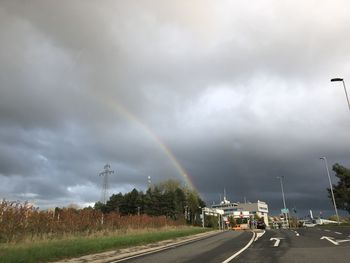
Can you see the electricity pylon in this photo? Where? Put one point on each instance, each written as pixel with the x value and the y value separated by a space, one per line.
pixel 107 171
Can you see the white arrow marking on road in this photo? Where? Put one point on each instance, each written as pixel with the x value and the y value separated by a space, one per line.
pixel 345 240
pixel 258 235
pixel 277 241
pixel 330 239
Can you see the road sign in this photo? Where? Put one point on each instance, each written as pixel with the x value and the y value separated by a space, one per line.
pixel 285 211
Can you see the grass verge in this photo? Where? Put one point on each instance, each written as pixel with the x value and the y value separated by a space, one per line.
pixel 60 249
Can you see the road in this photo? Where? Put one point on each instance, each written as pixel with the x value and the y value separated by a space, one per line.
pixel 318 244
pixel 215 248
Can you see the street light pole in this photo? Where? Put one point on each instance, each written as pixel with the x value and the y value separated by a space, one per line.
pixel 346 93
pixel 203 216
pixel 284 200
pixel 330 183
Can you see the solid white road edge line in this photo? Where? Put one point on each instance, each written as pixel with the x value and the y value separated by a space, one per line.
pixel 240 251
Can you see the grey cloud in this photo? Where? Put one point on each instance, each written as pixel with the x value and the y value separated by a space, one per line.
pixel 240 93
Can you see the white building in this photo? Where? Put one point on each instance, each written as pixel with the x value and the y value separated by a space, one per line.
pixel 244 210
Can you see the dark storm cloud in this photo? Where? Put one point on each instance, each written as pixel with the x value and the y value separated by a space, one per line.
pixel 240 93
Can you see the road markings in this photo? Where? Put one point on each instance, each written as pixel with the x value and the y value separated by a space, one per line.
pixel 327 230
pixel 338 233
pixel 258 235
pixel 335 241
pixel 277 240
pixel 240 251
pixel 345 240
pixel 330 239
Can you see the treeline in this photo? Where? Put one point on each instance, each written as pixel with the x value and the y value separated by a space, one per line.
pixel 169 199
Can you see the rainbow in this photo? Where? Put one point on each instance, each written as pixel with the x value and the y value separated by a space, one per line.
pixel 117 106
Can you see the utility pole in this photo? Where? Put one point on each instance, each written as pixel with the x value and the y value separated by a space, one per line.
pixel 105 173
pixel 331 187
pixel 284 201
pixel 203 217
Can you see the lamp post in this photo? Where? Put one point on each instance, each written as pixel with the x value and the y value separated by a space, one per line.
pixel 203 217
pixel 284 200
pixel 330 183
pixel 346 93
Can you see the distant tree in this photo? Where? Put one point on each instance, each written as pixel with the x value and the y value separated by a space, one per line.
pixel 101 207
pixel 211 221
pixel 180 202
pixel 114 203
pixel 194 205
pixel 167 198
pixel 342 189
pixel 232 221
pixel 131 203
pixel 169 186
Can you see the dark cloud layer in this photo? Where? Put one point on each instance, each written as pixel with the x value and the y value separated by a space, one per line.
pixel 239 93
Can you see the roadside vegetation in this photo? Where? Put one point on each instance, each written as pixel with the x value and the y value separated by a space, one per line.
pixel 342 188
pixel 45 251
pixel 166 210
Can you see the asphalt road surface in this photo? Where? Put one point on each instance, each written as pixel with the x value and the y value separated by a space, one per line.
pixel 215 248
pixel 317 244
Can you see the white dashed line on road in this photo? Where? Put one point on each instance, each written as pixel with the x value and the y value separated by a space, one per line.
pixel 327 230
pixel 338 233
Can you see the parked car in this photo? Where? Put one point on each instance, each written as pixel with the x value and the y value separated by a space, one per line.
pixel 260 225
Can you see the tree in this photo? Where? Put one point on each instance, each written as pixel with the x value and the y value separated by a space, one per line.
pixel 131 202
pixel 100 206
pixel 168 198
pixel 342 189
pixel 114 203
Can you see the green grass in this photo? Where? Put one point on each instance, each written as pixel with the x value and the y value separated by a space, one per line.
pixel 60 249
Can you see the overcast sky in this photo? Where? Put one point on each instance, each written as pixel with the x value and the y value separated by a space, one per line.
pixel 238 92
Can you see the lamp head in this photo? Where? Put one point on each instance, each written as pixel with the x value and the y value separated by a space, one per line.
pixel 336 79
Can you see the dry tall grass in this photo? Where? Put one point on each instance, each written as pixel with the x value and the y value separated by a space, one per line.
pixel 21 221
